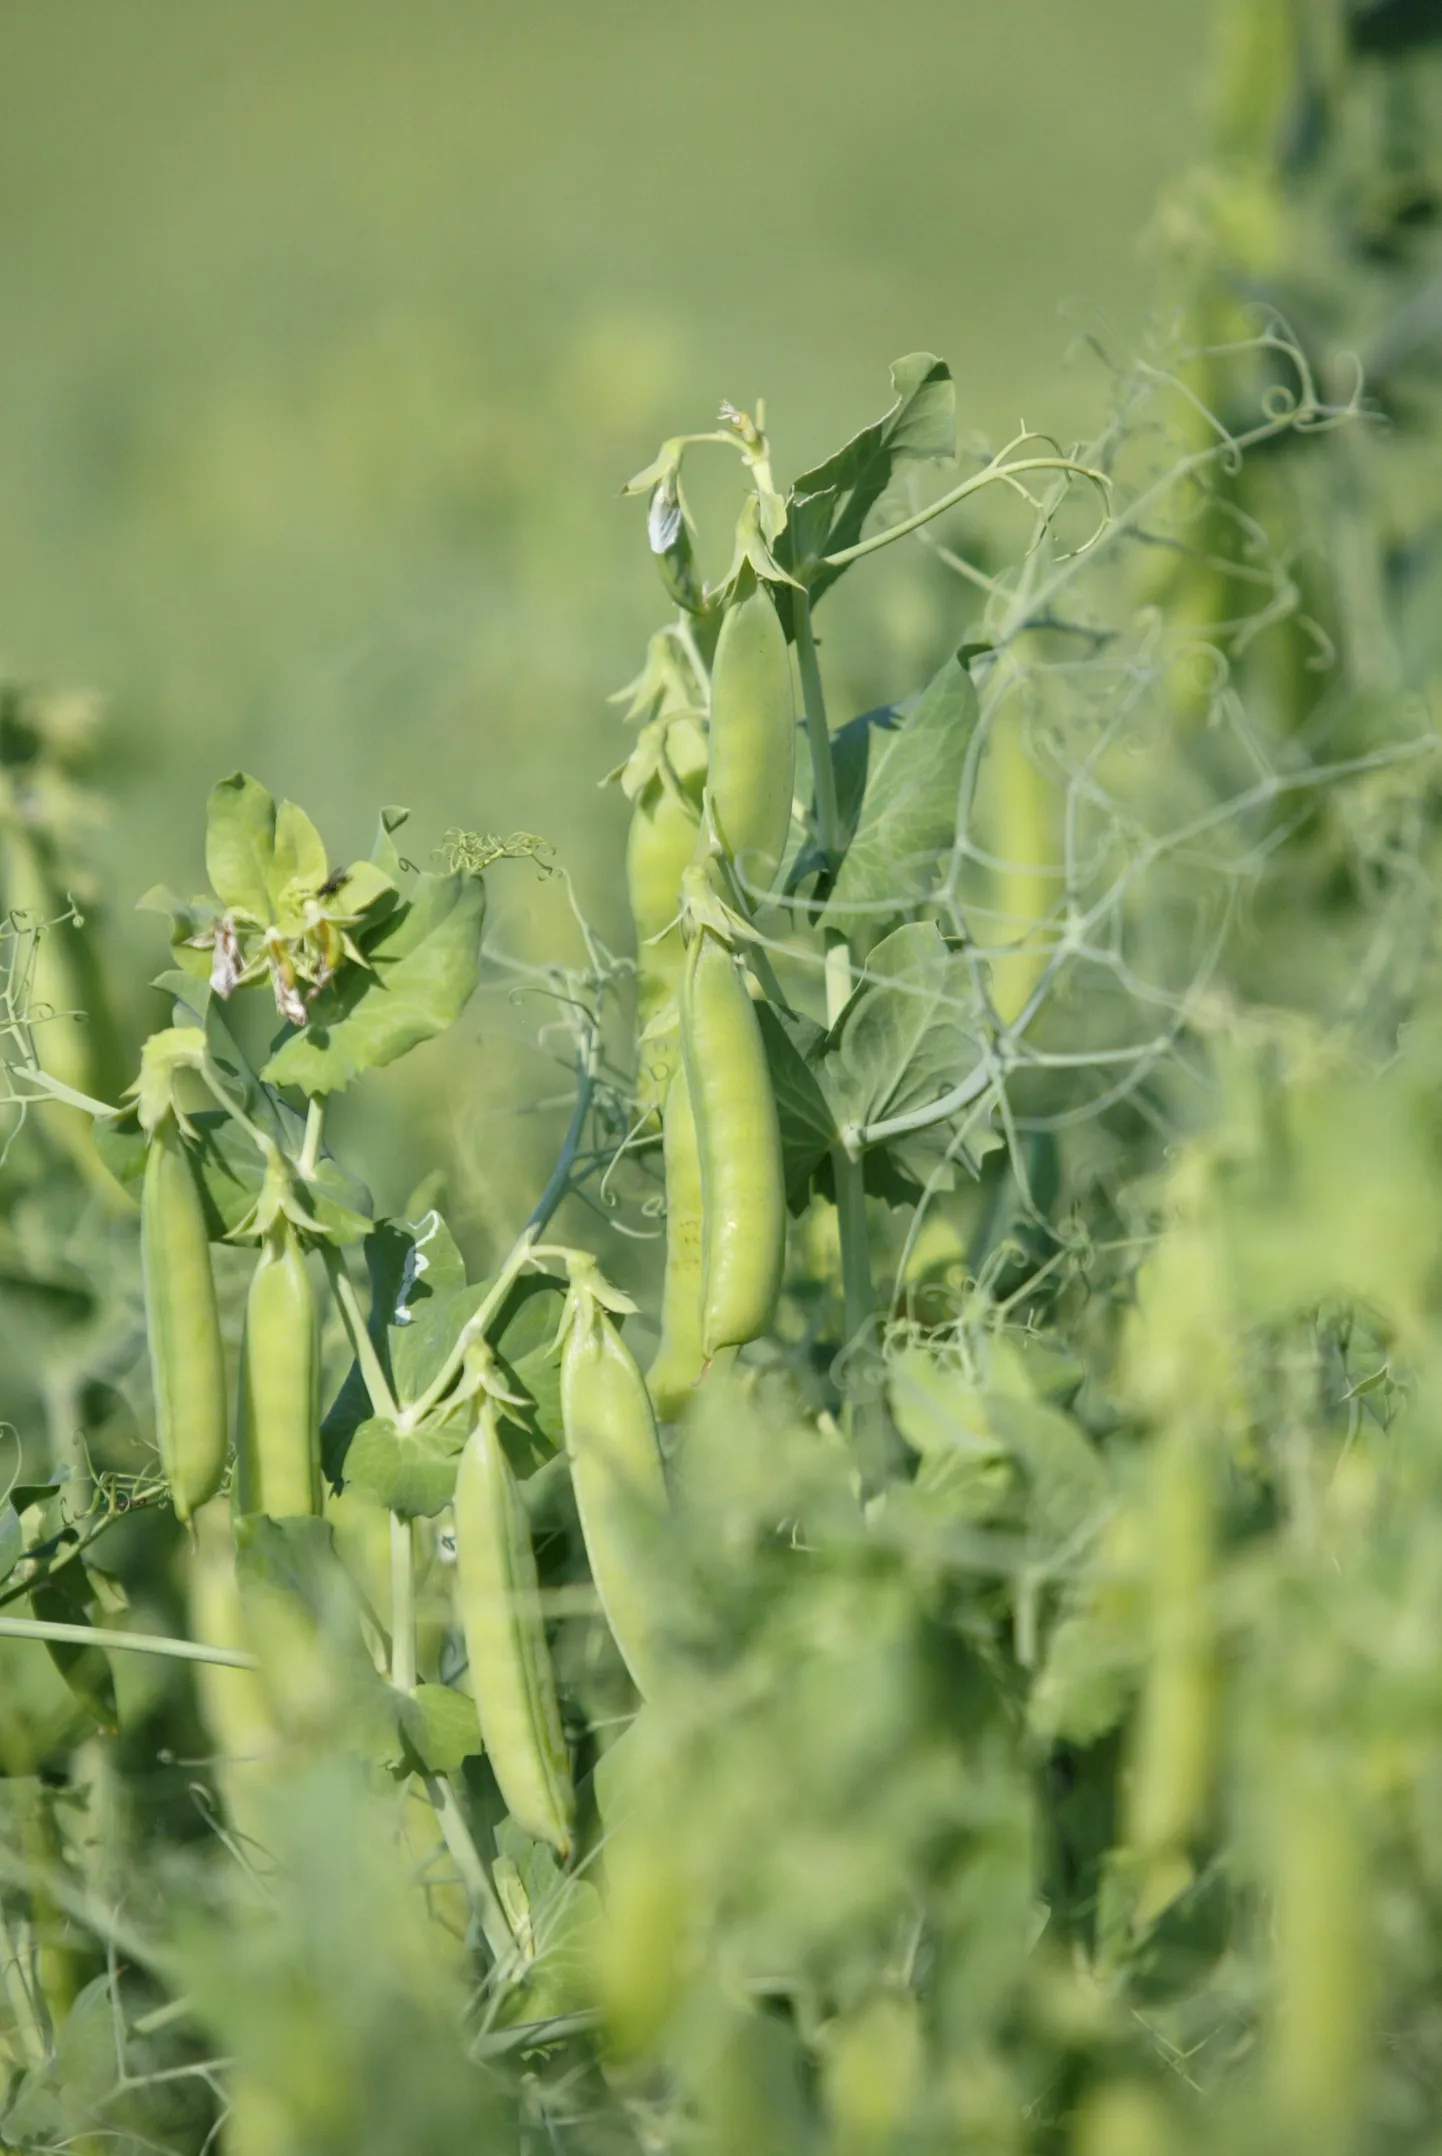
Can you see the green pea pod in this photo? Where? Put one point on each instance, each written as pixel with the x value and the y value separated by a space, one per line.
pixel 738 1140
pixel 680 1357
pixel 187 1360
pixel 1320 1927
pixel 753 739
pixel 511 1674
pixel 665 824
pixel 277 1447
pixel 1172 1758
pixel 616 1473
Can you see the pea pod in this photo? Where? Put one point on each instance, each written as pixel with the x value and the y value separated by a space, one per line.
pixel 753 739
pixel 1320 1926
pixel 510 1664
pixel 277 1449
pixel 738 1142
pixel 665 824
pixel 616 1471
pixel 1172 1758
pixel 680 1357
pixel 187 1360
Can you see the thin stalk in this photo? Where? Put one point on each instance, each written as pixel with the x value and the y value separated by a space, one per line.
pixel 377 1385
pixel 314 1129
pixel 471 1865
pixel 1007 474
pixel 857 1290
pixel 818 732
pixel 24 2006
pixel 84 1635
pixel 516 1261
pixel 403 1604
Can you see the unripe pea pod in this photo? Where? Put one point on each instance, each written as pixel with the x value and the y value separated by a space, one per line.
pixel 738 1141
pixel 187 1359
pixel 1172 1759
pixel 665 825
pixel 1319 2041
pixel 753 739
pixel 510 1664
pixel 277 1449
pixel 680 1358
pixel 616 1472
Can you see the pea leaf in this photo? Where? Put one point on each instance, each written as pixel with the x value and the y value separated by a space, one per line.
pixel 411 1471
pixel 881 1030
pixel 425 957
pixel 240 844
pixel 441 1726
pixel 86 1670
pixel 828 506
pixel 298 854
pixel 11 1539
pixel 907 817
pixel 808 1126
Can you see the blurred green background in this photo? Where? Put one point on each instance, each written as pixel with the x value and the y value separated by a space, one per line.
pixel 331 330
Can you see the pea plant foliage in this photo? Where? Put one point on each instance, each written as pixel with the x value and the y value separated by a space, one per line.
pixel 899 1614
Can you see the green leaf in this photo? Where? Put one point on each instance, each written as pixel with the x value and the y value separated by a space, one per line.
pixel 296 1557
pixel 240 844
pixel 441 1726
pixel 65 1599
pixel 878 1035
pixel 808 1127
pixel 121 1144
pixel 426 960
pixel 299 859
pixel 12 1541
pixel 907 818
pixel 429 1329
pixel 828 506
pixel 413 1472
pixel 385 852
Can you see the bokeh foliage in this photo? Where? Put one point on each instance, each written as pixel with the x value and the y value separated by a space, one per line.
pixel 1049 1755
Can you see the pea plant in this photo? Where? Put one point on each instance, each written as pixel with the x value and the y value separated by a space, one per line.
pixel 942 1657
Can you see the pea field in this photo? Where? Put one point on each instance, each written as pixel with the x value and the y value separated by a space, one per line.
pixel 743 1455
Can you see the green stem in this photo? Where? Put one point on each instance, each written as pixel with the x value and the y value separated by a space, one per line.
pixel 377 1385
pixel 403 1605
pixel 857 1290
pixel 818 732
pixel 1007 474
pixel 24 2007
pixel 84 1635
pixel 471 1865
pixel 516 1262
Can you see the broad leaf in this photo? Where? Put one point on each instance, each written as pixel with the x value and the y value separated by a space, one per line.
pixel 240 844
pixel 298 856
pixel 441 1727
pixel 907 817
pixel 828 506
pixel 425 961
pixel 11 1540
pixel 411 1471
pixel 808 1127
pixel 65 1599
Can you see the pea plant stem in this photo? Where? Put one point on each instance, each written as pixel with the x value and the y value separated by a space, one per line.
pixel 84 1635
pixel 818 732
pixel 403 1604
pixel 377 1384
pixel 1001 471
pixel 481 1894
